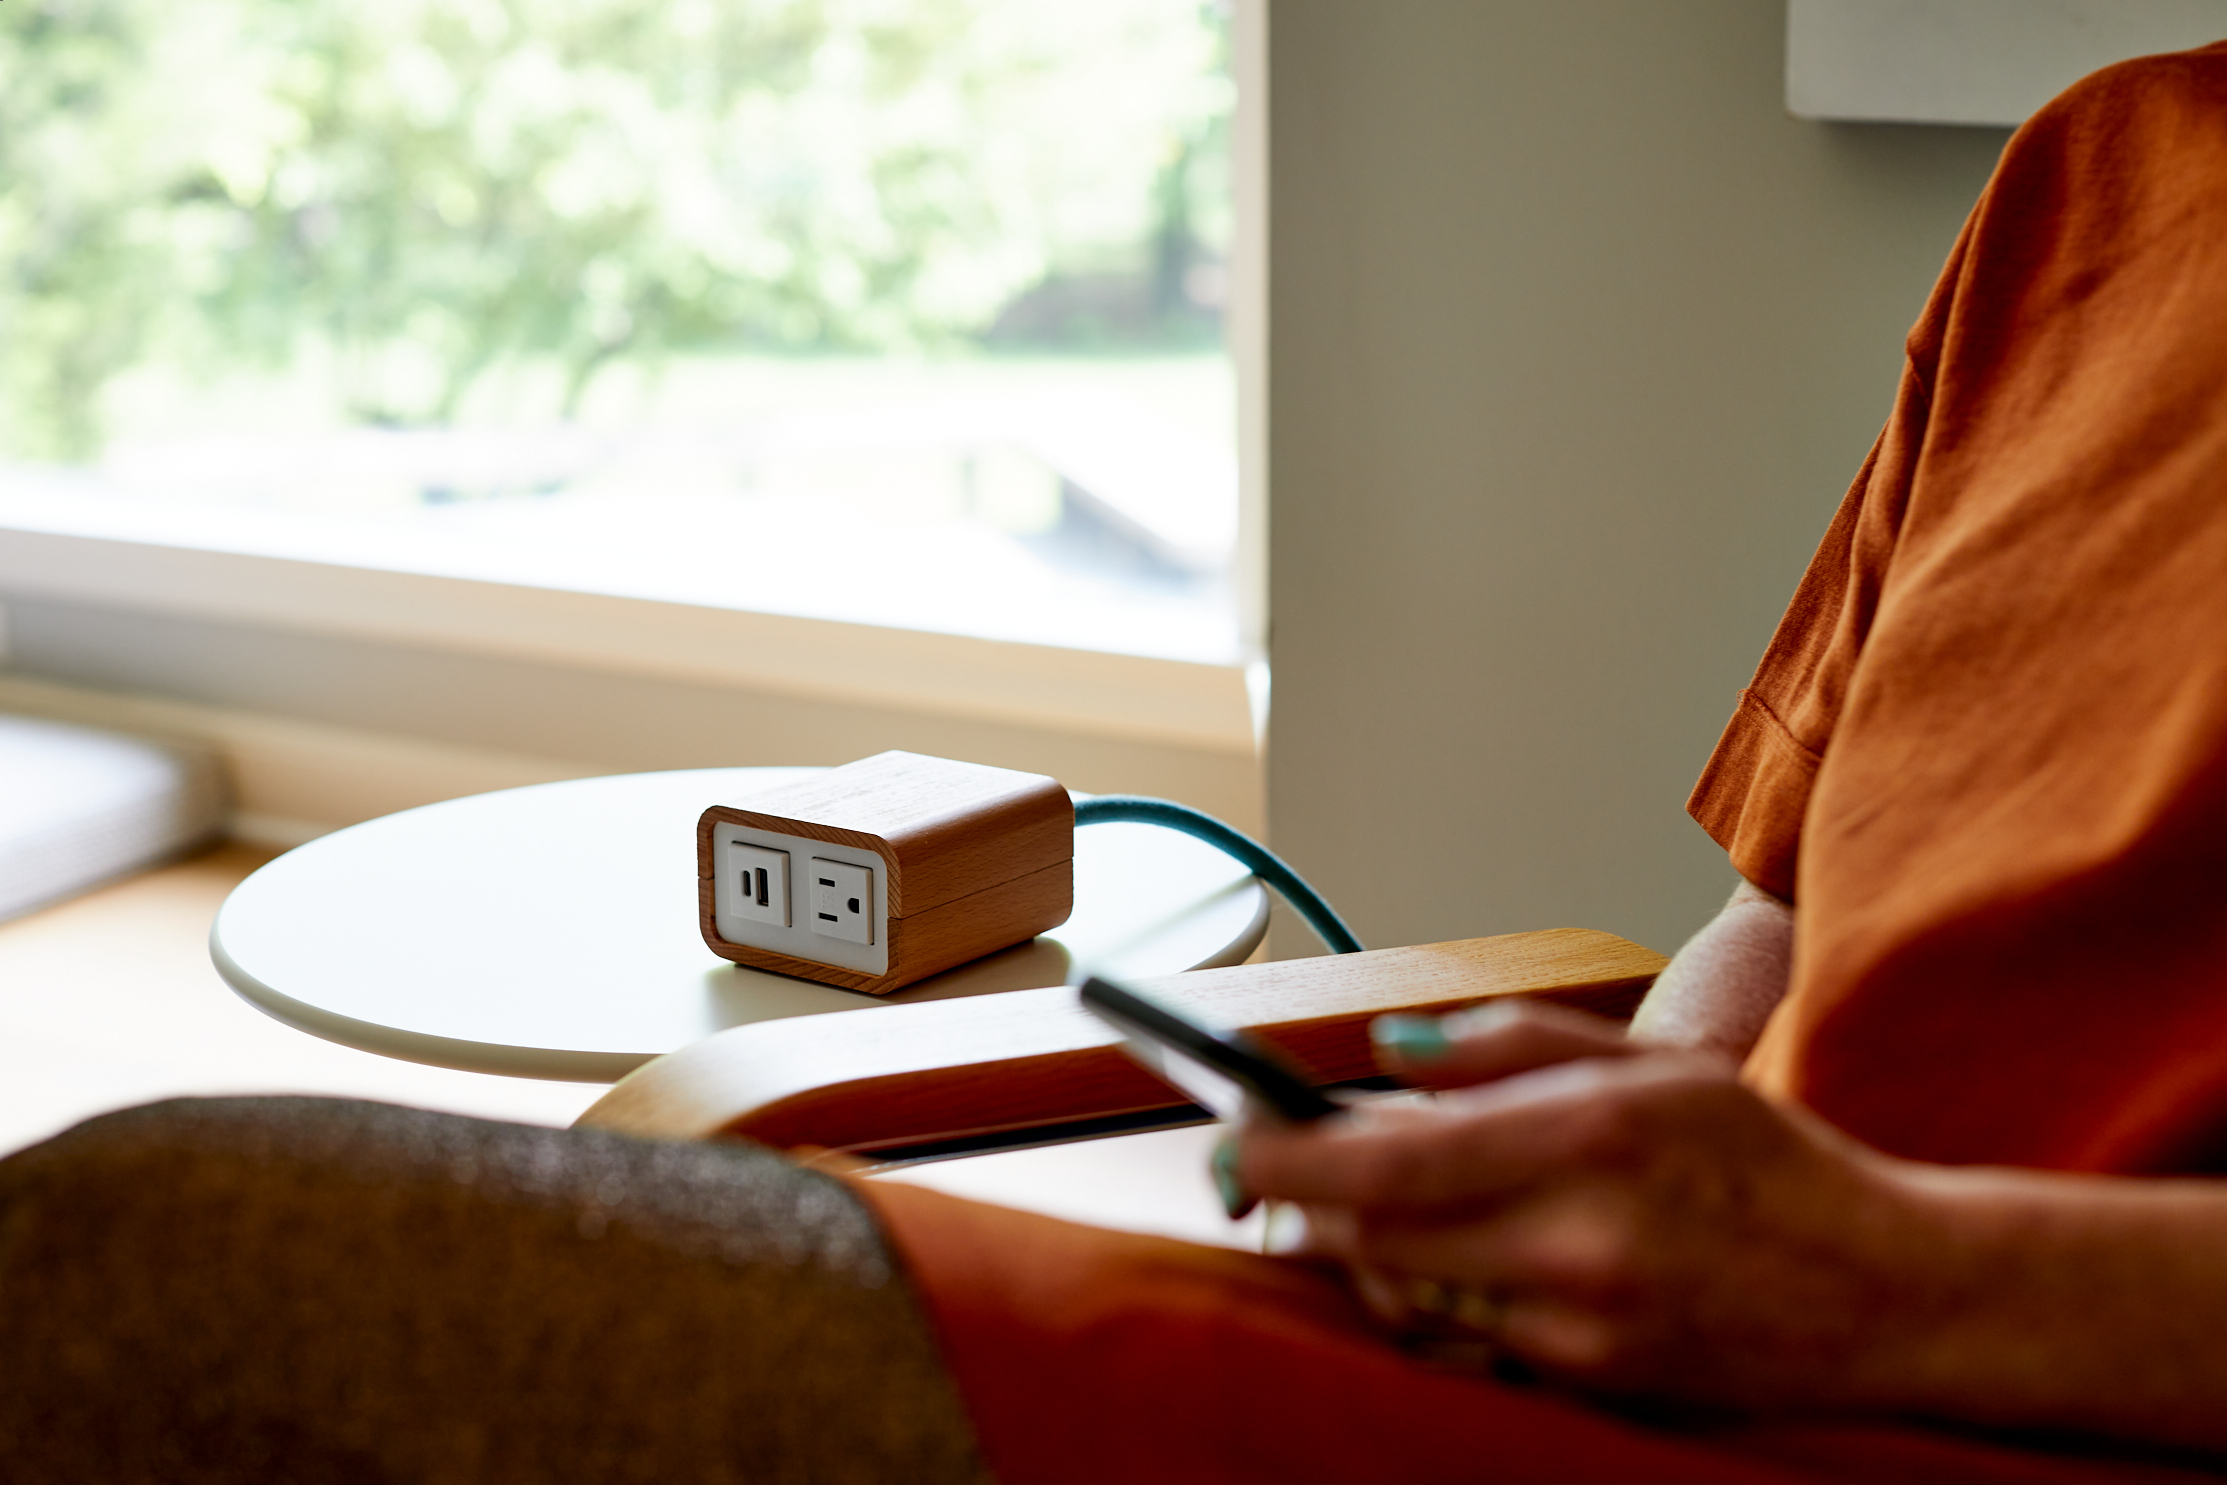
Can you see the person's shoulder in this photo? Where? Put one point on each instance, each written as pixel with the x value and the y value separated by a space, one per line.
pixel 2131 157
pixel 2141 139
pixel 2170 90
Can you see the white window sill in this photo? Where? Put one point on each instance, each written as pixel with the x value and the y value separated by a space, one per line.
pixel 685 615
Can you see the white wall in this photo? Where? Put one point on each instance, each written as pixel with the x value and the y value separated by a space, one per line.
pixel 1575 340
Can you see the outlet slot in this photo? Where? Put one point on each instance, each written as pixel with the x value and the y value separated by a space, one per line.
pixel 841 893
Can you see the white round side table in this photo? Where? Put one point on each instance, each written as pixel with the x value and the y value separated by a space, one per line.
pixel 551 931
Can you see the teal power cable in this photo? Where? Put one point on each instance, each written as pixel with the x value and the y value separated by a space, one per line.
pixel 1264 863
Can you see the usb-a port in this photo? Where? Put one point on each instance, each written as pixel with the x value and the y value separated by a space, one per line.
pixel 757 884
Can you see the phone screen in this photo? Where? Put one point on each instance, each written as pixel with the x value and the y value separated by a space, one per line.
pixel 1218 1069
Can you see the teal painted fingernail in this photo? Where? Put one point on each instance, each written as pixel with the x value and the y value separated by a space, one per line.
pixel 1412 1038
pixel 1236 1200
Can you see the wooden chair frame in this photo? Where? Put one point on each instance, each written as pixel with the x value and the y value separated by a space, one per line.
pixel 1031 1066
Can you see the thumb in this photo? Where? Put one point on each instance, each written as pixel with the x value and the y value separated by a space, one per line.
pixel 1491 1041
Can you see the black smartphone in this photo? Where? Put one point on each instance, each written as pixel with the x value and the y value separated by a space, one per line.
pixel 1217 1068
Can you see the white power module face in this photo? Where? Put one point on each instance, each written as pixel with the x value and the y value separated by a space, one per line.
pixel 804 898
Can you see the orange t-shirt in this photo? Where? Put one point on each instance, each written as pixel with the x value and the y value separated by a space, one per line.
pixel 1986 753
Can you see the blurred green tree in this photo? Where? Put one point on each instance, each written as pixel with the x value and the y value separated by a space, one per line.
pixel 421 191
pixel 84 178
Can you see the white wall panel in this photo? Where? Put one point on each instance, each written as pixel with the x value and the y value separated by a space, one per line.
pixel 1970 61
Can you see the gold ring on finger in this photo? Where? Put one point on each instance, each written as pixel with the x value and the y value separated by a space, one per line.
pixel 1470 1307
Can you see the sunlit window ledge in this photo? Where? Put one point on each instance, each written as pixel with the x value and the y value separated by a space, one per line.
pixel 253 568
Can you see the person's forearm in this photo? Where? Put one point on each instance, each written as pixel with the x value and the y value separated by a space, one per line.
pixel 1722 986
pixel 2085 1303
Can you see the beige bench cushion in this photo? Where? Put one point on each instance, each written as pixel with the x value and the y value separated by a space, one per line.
pixel 79 806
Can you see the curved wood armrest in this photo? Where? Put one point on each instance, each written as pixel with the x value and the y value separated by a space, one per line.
pixel 889 1077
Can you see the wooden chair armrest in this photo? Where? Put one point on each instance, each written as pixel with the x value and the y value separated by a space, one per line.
pixel 882 1079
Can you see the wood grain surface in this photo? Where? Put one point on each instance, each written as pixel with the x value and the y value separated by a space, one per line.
pixel 931 942
pixel 974 859
pixel 947 829
pixel 885 1077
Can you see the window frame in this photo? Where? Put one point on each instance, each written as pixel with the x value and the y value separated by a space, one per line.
pixel 103 556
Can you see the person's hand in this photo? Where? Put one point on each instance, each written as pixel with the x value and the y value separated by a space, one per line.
pixel 1627 1219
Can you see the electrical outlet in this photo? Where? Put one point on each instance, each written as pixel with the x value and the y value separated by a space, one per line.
pixel 902 866
pixel 842 900
pixel 760 883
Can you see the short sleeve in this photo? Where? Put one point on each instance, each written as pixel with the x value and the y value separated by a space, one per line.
pixel 1754 793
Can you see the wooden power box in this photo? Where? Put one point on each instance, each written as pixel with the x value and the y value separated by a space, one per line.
pixel 885 871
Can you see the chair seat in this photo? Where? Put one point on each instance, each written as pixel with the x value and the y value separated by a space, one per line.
pixel 80 806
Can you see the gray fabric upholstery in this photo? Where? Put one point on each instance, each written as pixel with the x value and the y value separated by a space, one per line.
pixel 307 1290
pixel 79 806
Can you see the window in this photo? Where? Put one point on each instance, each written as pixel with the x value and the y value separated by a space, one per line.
pixel 898 312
